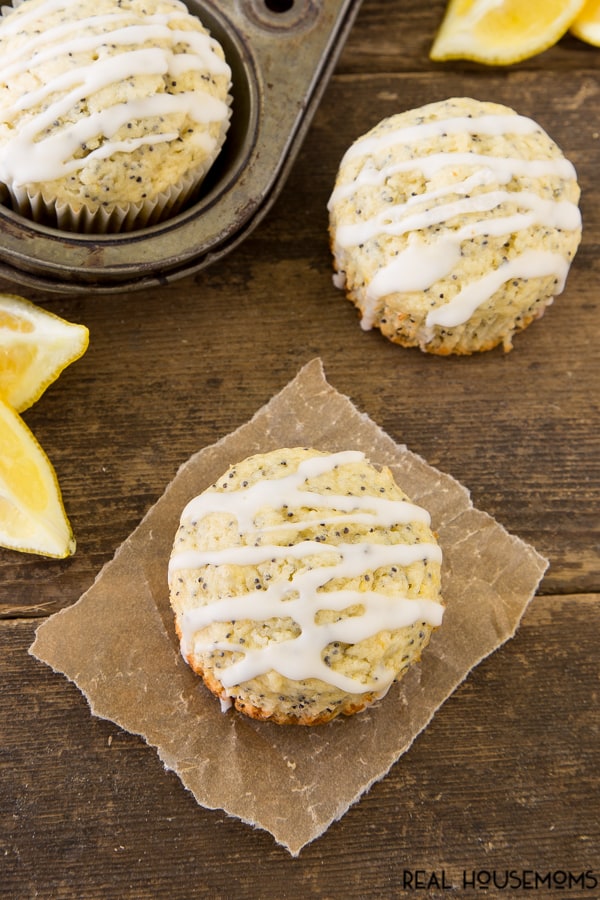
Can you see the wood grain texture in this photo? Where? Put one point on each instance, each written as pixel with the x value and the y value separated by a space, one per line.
pixel 396 36
pixel 479 789
pixel 506 775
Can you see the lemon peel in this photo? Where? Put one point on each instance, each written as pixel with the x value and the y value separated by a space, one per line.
pixel 32 515
pixel 586 26
pixel 35 347
pixel 502 32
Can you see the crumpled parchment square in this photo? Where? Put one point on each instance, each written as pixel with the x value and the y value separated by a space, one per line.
pixel 118 642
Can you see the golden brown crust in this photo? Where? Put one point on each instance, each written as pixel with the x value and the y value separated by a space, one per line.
pixel 278 717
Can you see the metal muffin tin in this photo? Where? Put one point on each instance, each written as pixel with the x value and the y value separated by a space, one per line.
pixel 281 53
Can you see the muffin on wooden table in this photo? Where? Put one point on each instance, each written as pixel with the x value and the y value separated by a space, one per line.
pixel 453 226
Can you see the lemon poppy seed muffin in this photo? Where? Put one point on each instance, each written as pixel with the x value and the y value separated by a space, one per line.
pixel 111 111
pixel 453 226
pixel 303 584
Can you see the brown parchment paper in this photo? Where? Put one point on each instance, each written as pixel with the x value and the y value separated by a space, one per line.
pixel 118 643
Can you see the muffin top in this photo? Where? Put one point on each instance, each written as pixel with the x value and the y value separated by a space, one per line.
pixel 108 101
pixel 435 209
pixel 304 578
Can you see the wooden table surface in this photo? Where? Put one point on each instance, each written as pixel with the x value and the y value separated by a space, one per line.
pixel 505 778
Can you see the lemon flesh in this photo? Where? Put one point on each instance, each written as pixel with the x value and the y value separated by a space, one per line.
pixel 501 32
pixel 586 26
pixel 32 515
pixel 35 347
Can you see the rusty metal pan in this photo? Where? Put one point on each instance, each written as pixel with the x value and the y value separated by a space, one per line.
pixel 281 53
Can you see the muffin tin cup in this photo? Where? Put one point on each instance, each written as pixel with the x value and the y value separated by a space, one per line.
pixel 273 104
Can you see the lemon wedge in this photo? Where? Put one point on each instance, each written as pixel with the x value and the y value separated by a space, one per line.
pixel 32 515
pixel 586 26
pixel 501 32
pixel 35 347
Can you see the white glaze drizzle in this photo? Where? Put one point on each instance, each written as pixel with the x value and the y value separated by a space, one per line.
pixel 492 168
pixel 529 264
pixel 28 157
pixel 422 263
pixel 302 597
pixel 487 124
pixel 398 219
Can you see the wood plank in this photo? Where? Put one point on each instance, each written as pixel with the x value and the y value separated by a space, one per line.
pixel 479 790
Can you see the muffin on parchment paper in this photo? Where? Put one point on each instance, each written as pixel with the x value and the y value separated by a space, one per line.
pixel 304 584
pixel 453 226
pixel 111 111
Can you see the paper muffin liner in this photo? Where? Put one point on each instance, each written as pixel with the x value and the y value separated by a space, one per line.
pixel 44 209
